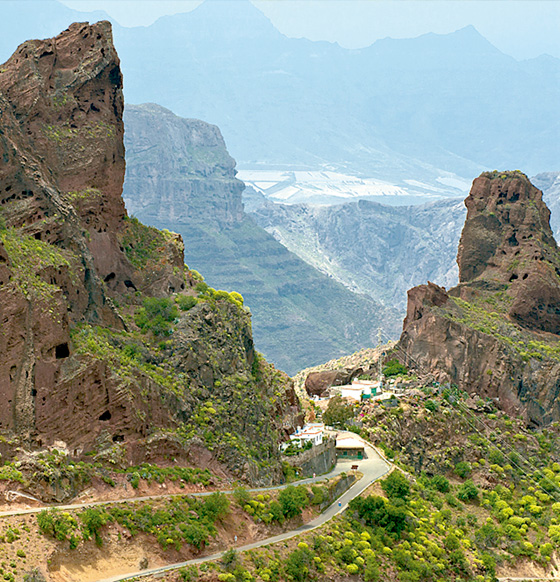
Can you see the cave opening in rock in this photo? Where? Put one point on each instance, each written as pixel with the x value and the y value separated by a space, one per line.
pixel 62 351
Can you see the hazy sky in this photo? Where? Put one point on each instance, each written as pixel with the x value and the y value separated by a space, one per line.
pixel 522 28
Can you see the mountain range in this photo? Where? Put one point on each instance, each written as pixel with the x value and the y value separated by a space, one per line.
pixel 416 113
pixel 380 250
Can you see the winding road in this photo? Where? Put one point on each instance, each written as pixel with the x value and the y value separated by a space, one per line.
pixel 373 467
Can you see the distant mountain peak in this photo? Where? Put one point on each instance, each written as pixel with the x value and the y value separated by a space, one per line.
pixel 231 19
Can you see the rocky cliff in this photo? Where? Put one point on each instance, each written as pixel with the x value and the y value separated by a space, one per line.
pixel 180 176
pixel 370 248
pixel 496 333
pixel 105 341
pixel 187 175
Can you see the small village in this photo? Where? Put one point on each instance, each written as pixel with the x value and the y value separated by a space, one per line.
pixel 314 438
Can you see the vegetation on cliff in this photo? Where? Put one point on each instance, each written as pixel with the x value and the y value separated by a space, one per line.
pixel 476 495
pixel 113 348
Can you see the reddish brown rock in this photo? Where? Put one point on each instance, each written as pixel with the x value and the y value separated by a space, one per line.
pixel 318 383
pixel 495 334
pixel 61 143
pixel 507 240
pixel 70 256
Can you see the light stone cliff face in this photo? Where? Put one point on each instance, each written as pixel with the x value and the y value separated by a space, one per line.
pixel 496 333
pixel 549 183
pixel 178 169
pixel 374 249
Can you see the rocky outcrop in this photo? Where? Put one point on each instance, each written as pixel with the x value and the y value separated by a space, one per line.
pixel 52 107
pixel 495 333
pixel 507 241
pixel 318 383
pixel 76 363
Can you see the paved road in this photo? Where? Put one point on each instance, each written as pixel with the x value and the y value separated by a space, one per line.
pixel 339 468
pixel 372 468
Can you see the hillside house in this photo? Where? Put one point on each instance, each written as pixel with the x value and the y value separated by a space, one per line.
pixel 357 391
pixel 349 448
pixel 312 432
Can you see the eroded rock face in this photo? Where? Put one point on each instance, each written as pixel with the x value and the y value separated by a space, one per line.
pixel 495 334
pixel 74 267
pixel 507 240
pixel 193 180
pixel 60 112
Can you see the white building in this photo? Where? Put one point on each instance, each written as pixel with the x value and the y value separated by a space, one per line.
pixel 310 432
pixel 355 390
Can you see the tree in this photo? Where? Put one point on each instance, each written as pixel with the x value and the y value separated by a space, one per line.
pixel 394 368
pixel 297 565
pixel 396 485
pixel 216 506
pixel 376 511
pixel 241 496
pixel 229 559
pixel 338 412
pixel 292 500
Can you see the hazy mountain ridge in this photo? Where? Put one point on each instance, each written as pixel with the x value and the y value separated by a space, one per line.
pixel 398 110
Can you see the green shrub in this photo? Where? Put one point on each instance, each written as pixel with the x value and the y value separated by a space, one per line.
pixel 134 479
pixel 297 565
pixel 431 405
pixel 94 519
pixel 216 506
pixel 189 574
pixel 186 302
pixel 56 524
pixel 292 500
pixel 229 558
pixel 338 412
pixel 394 368
pixel 463 470
pixel 156 315
pixel 440 483
pixel 241 496
pixel 377 511
pixel 452 500
pixel 467 491
pixel 371 571
pixel 396 485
